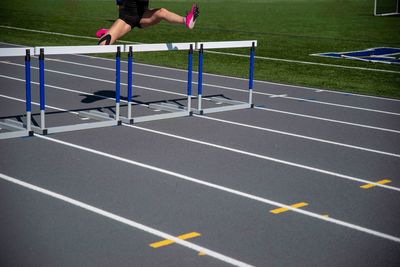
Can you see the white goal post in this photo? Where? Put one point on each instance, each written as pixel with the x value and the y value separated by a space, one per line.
pixel 386 7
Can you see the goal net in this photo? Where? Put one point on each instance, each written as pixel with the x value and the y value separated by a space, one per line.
pixel 386 7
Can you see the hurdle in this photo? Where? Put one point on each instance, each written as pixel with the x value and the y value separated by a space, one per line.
pixel 15 128
pixel 230 104
pixel 101 119
pixel 172 110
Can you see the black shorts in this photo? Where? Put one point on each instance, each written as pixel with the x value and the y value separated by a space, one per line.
pixel 132 11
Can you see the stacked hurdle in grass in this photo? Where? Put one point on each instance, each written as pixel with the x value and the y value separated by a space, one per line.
pixel 17 129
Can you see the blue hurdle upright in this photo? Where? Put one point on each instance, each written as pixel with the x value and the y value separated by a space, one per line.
pixel 11 128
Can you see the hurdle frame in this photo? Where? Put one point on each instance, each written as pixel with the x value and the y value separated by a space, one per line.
pixel 15 129
pixel 230 104
pixel 173 110
pixel 102 119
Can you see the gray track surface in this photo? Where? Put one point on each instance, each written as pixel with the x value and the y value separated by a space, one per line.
pixel 38 230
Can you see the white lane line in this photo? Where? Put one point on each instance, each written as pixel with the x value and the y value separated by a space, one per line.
pixel 255 155
pixel 285 96
pixel 222 188
pixel 275 96
pixel 342 106
pixel 124 220
pixel 303 137
pixel 231 122
pixel 330 173
pixel 303 62
pixel 169 92
pixel 242 79
pixel 225 189
pixel 256 81
pixel 329 120
pixel 96 79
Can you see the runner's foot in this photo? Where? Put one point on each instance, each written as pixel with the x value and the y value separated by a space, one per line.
pixel 101 32
pixel 192 16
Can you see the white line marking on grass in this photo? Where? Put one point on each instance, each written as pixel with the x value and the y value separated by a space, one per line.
pixel 231 122
pixel 124 220
pixel 56 33
pixel 225 189
pixel 208 51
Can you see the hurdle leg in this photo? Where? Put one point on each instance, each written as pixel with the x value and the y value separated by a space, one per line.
pixel 117 83
pixel 189 85
pixel 130 60
pixel 200 80
pixel 28 98
pixel 251 74
pixel 42 95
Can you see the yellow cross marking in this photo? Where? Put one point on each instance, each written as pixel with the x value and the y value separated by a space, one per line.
pixel 367 186
pixel 169 242
pixel 297 205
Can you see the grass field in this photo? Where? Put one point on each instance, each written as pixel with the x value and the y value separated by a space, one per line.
pixel 285 29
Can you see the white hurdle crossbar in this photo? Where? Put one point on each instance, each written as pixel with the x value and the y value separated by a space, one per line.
pixel 230 104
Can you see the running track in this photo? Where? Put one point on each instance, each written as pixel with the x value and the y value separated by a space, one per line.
pixel 101 197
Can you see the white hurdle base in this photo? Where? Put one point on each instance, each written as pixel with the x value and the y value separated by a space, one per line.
pixel 104 120
pixel 174 111
pixel 14 129
pixel 231 105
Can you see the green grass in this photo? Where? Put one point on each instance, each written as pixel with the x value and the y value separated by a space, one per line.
pixel 285 29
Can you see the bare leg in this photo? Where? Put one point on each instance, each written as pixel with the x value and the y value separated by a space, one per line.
pixel 155 16
pixel 117 30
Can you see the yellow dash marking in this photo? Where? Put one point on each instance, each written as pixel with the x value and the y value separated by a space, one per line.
pixel 297 205
pixel 202 253
pixel 367 186
pixel 167 242
pixel 326 215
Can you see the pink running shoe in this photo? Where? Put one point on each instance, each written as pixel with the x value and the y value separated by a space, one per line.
pixel 192 16
pixel 101 32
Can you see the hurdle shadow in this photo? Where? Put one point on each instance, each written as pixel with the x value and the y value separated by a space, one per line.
pixel 101 95
pixel 22 117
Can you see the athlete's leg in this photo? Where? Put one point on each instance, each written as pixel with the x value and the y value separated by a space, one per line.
pixel 117 30
pixel 154 16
